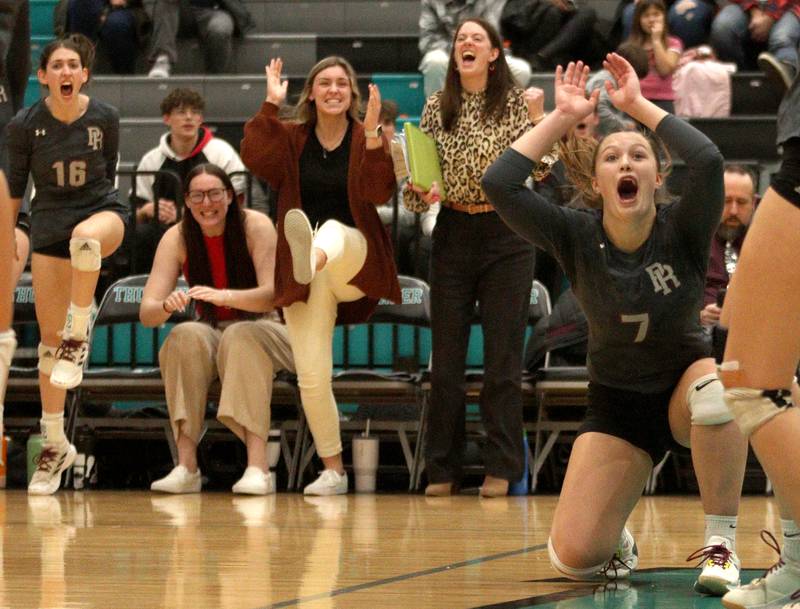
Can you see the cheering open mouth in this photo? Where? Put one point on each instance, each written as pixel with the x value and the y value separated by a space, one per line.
pixel 627 188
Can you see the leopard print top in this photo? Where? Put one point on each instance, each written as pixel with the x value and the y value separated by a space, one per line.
pixel 473 144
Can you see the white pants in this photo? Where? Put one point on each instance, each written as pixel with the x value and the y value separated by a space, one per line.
pixel 434 69
pixel 311 326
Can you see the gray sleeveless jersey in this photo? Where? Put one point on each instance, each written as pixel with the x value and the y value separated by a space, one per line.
pixel 643 307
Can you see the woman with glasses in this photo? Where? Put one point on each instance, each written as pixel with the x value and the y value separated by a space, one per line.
pixel 227 255
pixel 331 171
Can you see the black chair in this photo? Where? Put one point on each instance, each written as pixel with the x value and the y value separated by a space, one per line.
pixel 378 388
pixel 133 374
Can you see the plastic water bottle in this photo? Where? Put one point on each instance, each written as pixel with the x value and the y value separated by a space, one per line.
pixel 33 449
pixel 522 486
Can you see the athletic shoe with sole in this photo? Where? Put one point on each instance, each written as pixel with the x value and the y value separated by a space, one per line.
pixel 721 566
pixel 51 462
pixel 777 588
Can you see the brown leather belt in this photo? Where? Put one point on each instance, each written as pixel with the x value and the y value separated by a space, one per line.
pixel 469 208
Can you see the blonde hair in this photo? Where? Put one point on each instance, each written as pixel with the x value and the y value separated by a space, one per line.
pixel 579 156
pixel 305 112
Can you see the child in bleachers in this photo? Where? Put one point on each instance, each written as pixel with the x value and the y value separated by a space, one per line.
pixel 650 31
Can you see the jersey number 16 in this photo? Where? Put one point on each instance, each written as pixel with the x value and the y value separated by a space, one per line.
pixel 75 173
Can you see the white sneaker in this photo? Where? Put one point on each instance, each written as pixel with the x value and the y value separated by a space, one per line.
pixel 49 464
pixel 625 559
pixel 161 67
pixel 70 357
pixel 179 480
pixel 720 567
pixel 777 588
pixel 300 236
pixel 255 482
pixel 330 482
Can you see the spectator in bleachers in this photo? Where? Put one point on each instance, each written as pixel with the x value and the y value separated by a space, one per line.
pixel 437 25
pixel 740 201
pixel 689 20
pixel 227 255
pixel 650 31
pixel 69 144
pixel 637 270
pixel 475 257
pixel 119 28
pixel 187 144
pixel 546 33
pixel 330 172
pixel 214 23
pixel 742 28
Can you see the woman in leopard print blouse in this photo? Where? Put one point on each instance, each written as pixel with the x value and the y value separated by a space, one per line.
pixel 475 258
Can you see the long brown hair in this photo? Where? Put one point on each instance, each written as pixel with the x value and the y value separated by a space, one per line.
pixel 74 42
pixel 498 86
pixel 638 35
pixel 305 112
pixel 579 156
pixel 239 267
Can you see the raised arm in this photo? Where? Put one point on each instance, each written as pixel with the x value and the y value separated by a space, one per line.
pixel 265 146
pixel 376 174
pixel 700 206
pixel 526 212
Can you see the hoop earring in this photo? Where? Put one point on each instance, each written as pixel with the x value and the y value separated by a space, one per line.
pixel 492 66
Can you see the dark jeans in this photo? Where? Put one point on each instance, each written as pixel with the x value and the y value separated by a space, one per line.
pixel 116 34
pixel 477 258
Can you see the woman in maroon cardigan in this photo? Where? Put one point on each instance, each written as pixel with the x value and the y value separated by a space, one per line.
pixel 330 171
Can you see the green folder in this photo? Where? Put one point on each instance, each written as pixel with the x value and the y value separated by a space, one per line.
pixel 423 159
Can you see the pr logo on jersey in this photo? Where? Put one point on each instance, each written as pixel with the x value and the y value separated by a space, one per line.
pixel 41 132
pixel 661 275
pixel 95 137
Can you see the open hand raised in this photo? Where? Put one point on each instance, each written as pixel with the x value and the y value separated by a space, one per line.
pixel 570 87
pixel 276 90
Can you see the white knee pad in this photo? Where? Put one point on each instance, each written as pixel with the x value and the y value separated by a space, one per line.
pixel 8 344
pixel 47 358
pixel 752 408
pixel 587 574
pixel 706 401
pixel 85 254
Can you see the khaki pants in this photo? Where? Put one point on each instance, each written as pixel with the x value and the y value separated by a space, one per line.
pixel 245 355
pixel 311 325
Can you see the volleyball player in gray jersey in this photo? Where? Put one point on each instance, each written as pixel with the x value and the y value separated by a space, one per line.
pixel 68 143
pixel 638 271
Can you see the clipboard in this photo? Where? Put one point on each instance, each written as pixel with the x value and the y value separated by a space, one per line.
pixel 423 159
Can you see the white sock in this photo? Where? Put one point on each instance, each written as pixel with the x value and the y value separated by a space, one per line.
pixel 52 425
pixel 791 540
pixel 78 320
pixel 722 526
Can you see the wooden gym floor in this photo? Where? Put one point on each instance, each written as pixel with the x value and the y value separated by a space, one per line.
pixel 126 550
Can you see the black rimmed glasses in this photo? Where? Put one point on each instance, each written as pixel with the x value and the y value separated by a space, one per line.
pixel 215 195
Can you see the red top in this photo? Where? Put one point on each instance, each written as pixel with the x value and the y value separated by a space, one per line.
pixel 215 248
pixel 271 150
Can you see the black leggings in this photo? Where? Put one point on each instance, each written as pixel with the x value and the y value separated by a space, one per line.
pixel 787 181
